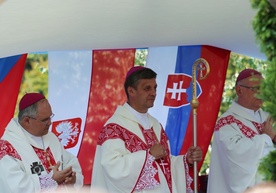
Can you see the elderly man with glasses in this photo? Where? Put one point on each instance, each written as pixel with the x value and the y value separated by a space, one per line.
pixel 243 135
pixel 32 158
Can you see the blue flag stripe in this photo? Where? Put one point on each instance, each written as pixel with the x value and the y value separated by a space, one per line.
pixel 6 64
pixel 178 118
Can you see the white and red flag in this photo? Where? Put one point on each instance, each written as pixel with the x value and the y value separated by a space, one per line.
pixel 85 88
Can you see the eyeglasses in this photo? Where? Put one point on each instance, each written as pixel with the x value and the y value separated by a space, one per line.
pixel 44 121
pixel 253 88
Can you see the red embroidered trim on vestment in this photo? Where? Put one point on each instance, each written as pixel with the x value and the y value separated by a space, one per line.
pixel 113 131
pixel 7 149
pixel 46 158
pixel 247 131
pixel 163 163
pixel 133 143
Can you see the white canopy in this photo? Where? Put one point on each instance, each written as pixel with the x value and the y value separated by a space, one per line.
pixel 50 25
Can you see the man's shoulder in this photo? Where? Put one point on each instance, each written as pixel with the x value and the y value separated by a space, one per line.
pixel 120 116
pixel 153 118
pixel 8 149
pixel 265 113
pixel 4 142
pixel 51 136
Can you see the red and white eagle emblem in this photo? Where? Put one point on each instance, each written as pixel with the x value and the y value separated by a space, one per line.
pixel 67 131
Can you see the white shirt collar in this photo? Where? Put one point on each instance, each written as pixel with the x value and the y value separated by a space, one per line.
pixel 256 115
pixel 142 118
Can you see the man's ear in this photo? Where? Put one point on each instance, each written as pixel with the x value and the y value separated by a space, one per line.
pixel 238 90
pixel 26 121
pixel 130 90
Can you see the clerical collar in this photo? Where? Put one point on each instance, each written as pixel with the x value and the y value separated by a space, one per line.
pixel 37 139
pixel 256 115
pixel 142 118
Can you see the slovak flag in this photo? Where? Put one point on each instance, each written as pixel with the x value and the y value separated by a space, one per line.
pixel 11 72
pixel 172 107
pixel 176 90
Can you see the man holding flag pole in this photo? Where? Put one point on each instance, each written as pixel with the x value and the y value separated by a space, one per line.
pixel 133 151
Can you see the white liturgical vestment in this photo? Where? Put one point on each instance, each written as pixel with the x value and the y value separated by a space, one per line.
pixel 25 165
pixel 237 148
pixel 123 163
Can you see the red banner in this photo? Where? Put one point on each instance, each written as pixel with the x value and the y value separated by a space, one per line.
pixel 106 93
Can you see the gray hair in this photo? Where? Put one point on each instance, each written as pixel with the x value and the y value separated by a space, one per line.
pixel 30 111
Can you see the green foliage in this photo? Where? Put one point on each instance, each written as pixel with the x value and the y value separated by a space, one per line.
pixel 236 64
pixel 264 24
pixel 268 167
pixel 206 163
pixel 268 90
pixel 140 57
pixel 35 77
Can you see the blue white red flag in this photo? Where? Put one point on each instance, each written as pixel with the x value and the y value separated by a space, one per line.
pixel 172 107
pixel 11 72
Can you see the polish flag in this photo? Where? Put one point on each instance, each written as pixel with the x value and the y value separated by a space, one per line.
pixel 85 87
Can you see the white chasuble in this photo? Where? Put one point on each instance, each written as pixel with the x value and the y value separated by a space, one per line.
pixel 123 162
pixel 237 149
pixel 26 166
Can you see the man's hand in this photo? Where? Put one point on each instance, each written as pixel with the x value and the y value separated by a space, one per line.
pixel 66 176
pixel 158 151
pixel 71 180
pixel 194 154
pixel 267 128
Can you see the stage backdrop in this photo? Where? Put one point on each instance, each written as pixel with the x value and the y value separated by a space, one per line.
pixel 85 87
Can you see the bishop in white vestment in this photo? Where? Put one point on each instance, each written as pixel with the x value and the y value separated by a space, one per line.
pixel 243 136
pixel 32 160
pixel 133 152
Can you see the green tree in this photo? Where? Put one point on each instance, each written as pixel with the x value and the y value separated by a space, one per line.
pixel 236 64
pixel 35 77
pixel 264 24
pixel 141 57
